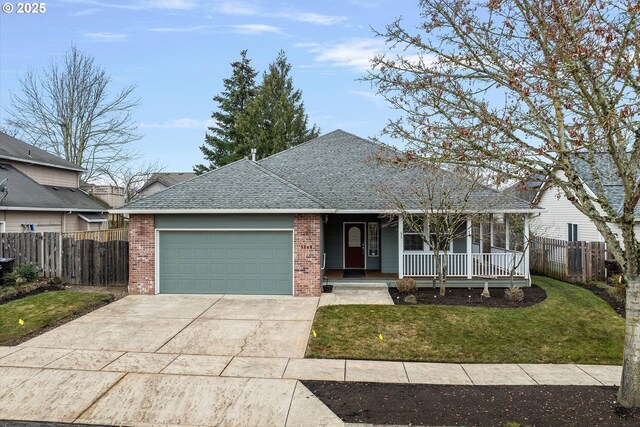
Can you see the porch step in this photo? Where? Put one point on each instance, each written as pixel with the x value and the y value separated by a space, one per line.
pixel 358 286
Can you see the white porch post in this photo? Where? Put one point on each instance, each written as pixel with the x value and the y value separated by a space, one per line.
pixel 481 248
pixel 526 246
pixel 469 250
pixel 490 232
pixel 400 247
pixel 506 231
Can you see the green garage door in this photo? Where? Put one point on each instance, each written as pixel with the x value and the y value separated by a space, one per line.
pixel 226 262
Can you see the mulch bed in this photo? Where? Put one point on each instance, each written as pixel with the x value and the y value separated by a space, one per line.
pixel 470 297
pixel 425 404
pixel 615 303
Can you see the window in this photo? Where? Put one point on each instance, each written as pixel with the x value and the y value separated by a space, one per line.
pixel 373 242
pixel 572 232
pixel 354 237
pixel 412 239
pixel 2 226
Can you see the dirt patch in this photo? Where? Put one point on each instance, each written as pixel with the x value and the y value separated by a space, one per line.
pixel 470 297
pixel 615 303
pixel 117 291
pixel 425 404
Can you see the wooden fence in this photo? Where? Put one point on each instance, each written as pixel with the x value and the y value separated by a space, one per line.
pixel 90 262
pixel 99 235
pixel 570 261
pixel 73 257
pixel 43 249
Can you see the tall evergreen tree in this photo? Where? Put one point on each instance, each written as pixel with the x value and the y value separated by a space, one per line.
pixel 275 118
pixel 223 143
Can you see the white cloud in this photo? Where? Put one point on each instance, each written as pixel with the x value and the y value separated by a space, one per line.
pixel 255 29
pixel 355 54
pixel 370 96
pixel 87 12
pixel 138 5
pixel 241 8
pixel 198 28
pixel 184 123
pixel 106 37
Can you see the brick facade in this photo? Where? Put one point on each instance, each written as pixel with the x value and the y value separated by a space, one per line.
pixel 306 254
pixel 142 255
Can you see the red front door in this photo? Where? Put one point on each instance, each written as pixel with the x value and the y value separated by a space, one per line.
pixel 354 246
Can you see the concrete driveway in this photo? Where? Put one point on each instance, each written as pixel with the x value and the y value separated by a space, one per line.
pixel 168 359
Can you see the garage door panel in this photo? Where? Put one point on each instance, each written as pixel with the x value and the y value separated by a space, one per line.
pixel 237 262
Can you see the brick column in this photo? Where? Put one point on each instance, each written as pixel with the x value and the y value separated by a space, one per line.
pixel 142 255
pixel 306 255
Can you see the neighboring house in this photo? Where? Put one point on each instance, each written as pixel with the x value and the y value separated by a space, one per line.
pixel 42 192
pixel 280 225
pixel 110 194
pixel 162 180
pixel 527 189
pixel 562 220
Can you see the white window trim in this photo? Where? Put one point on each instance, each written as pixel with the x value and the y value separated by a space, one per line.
pixel 426 248
pixel 377 239
pixel 3 226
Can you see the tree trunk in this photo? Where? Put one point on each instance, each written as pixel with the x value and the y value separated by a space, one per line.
pixel 629 392
pixel 443 274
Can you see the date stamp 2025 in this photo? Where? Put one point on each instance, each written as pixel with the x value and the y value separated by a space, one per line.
pixel 24 8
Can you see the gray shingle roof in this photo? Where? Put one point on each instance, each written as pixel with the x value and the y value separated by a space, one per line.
pixel 240 185
pixel 14 149
pixel 341 169
pixel 335 171
pixel 168 179
pixel 23 192
pixel 609 178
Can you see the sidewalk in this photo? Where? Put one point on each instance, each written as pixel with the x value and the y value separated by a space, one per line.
pixel 136 388
pixel 312 369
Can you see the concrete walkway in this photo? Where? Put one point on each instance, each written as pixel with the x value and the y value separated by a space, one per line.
pixel 213 360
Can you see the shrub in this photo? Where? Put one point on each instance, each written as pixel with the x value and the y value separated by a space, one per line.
pixel 13 278
pixel 514 294
pixel 29 271
pixel 406 285
pixel 619 287
pixel 411 299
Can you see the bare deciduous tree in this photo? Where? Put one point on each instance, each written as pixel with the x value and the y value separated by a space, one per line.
pixel 67 109
pixel 131 179
pixel 530 86
pixel 435 207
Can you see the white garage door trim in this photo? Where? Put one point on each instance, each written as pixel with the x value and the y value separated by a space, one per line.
pixel 157 249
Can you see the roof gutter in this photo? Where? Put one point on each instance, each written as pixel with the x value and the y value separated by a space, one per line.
pixel 35 162
pixel 219 211
pixel 33 209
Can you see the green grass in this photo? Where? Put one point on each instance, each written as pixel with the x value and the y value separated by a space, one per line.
pixel 42 310
pixel 571 326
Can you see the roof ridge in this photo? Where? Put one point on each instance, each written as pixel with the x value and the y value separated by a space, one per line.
pixel 183 182
pixel 290 184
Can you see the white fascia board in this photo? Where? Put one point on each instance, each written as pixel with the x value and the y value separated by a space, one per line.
pixel 35 209
pixel 220 211
pixel 34 162
pixel 419 211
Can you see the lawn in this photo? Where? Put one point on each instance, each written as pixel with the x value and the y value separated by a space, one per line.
pixel 571 326
pixel 43 310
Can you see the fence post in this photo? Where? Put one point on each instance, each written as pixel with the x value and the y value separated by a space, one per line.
pixel 59 257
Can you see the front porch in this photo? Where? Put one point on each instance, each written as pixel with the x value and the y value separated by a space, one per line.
pixel 376 249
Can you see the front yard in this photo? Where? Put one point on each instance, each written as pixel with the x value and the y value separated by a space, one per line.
pixel 26 317
pixel 570 326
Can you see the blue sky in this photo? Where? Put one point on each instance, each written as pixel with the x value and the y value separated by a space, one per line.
pixel 178 51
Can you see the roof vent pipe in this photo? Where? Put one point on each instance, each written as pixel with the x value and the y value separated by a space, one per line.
pixel 253 154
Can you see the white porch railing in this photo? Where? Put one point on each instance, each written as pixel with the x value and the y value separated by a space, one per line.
pixel 489 265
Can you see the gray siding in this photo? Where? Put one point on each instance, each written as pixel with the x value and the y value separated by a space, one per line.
pixel 389 249
pixel 225 221
pixel 334 244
